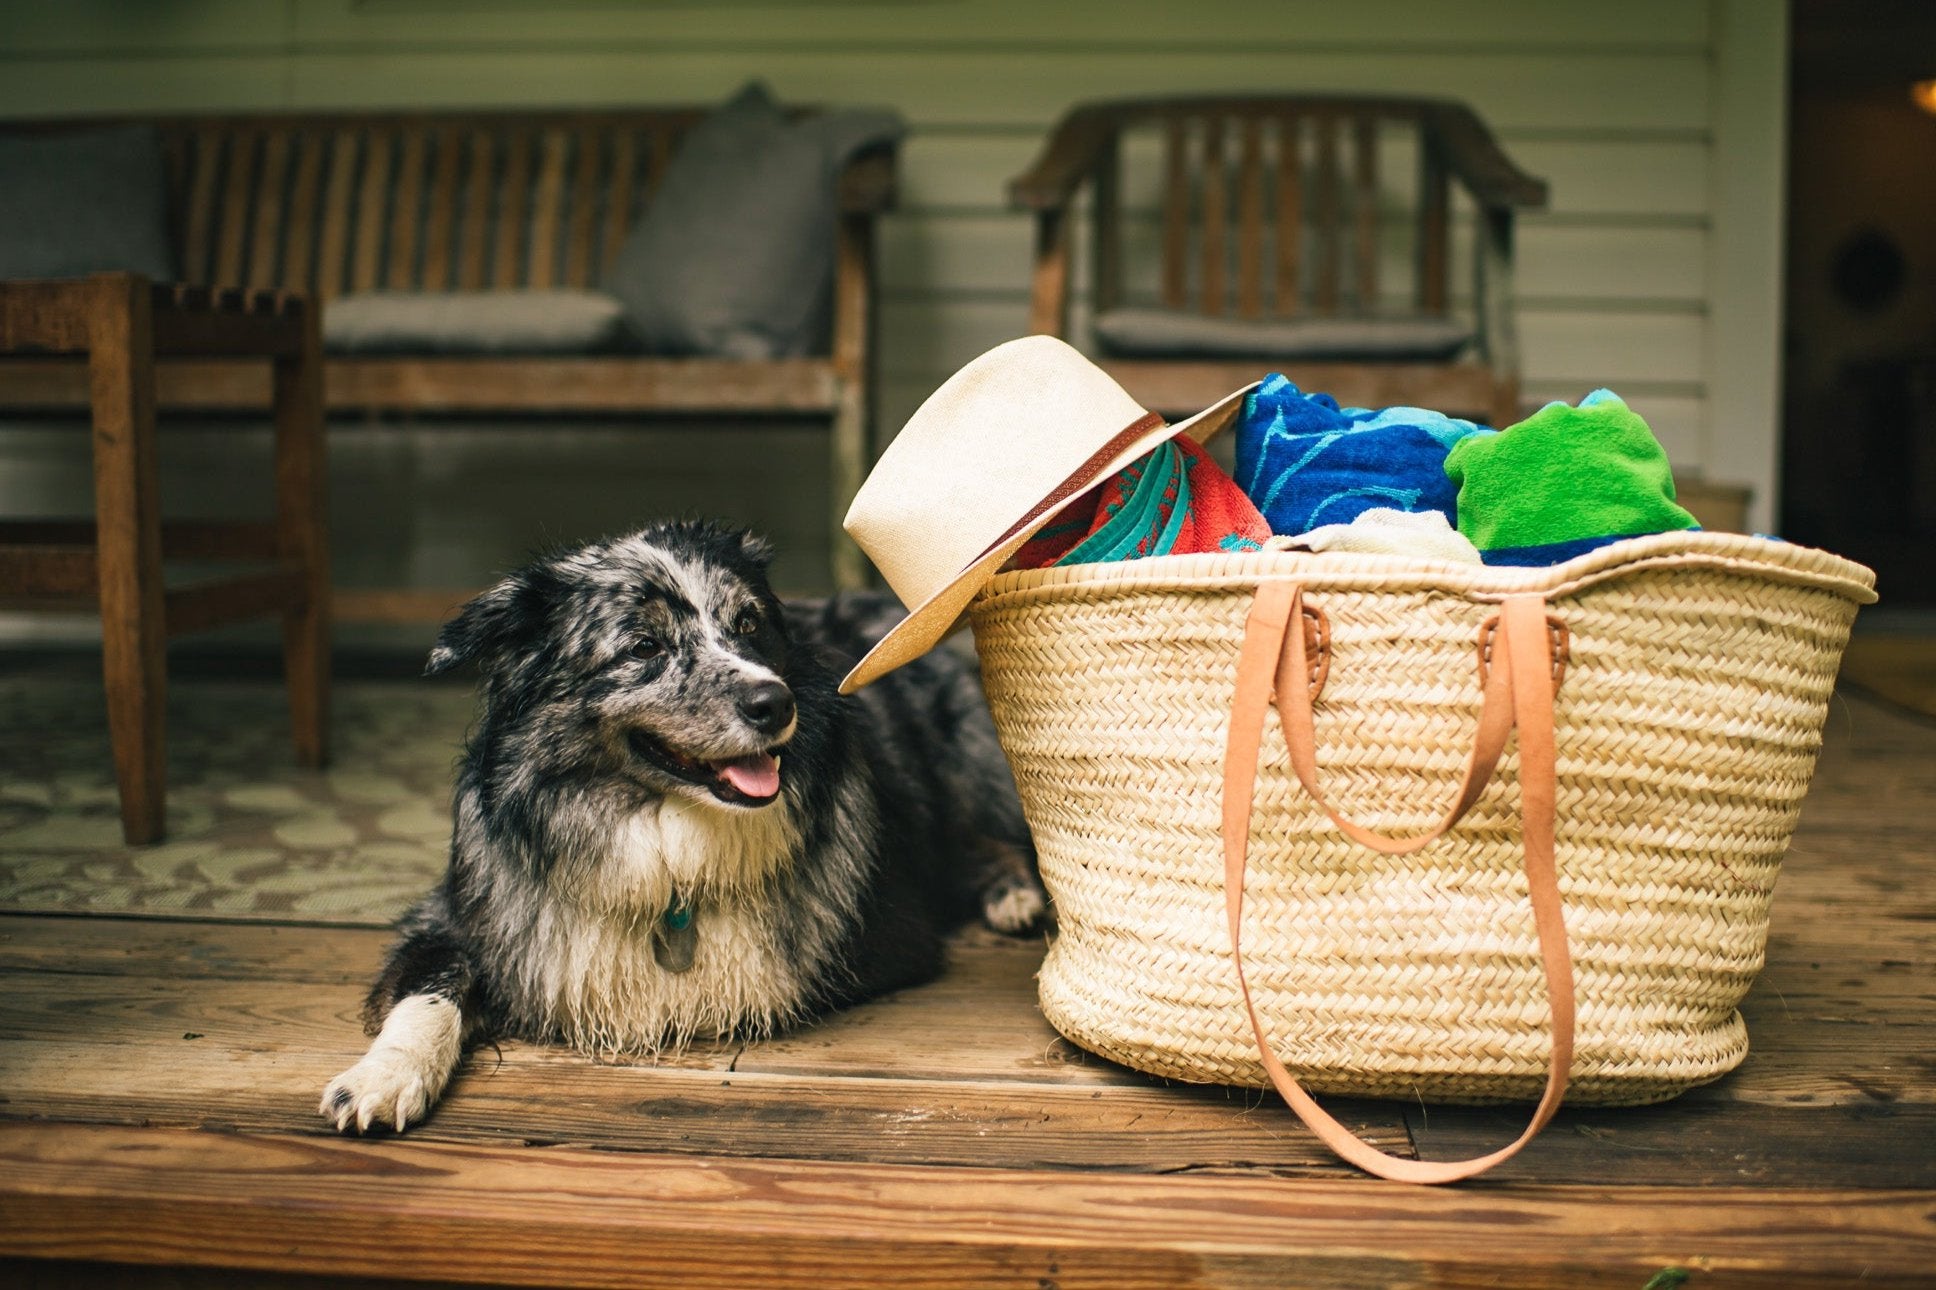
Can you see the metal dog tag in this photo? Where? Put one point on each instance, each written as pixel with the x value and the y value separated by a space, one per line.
pixel 675 941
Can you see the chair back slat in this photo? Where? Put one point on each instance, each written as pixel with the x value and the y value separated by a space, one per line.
pixel 619 190
pixel 232 215
pixel 1330 206
pixel 367 239
pixel 1250 220
pixel 301 228
pixel 513 211
pixel 265 234
pixel 1176 214
pixel 1290 212
pixel 1214 248
pixel 548 214
pixel 1364 212
pixel 332 253
pixel 440 219
pixel 406 209
pixel 471 244
pixel 585 194
pixel 1434 229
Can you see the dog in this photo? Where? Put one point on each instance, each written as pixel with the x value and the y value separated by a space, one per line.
pixel 668 825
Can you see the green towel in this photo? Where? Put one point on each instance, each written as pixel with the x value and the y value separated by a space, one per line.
pixel 1563 481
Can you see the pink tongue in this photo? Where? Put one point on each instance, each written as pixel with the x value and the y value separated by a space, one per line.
pixel 755 776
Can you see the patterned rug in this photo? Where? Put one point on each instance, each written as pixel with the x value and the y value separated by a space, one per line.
pixel 250 834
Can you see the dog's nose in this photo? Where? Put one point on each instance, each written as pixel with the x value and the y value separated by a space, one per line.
pixel 767 707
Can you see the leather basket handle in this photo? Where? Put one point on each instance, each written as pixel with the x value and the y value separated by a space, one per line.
pixel 1518 693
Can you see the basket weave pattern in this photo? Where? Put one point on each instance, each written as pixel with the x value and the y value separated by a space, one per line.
pixel 1687 727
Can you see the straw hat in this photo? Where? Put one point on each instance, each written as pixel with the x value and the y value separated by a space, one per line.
pixel 981 466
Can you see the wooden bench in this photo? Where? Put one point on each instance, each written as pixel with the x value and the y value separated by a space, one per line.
pixel 331 203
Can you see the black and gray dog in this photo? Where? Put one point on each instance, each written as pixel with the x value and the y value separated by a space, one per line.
pixel 669 825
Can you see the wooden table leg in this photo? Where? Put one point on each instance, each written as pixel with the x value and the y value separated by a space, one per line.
pixel 121 376
pixel 302 537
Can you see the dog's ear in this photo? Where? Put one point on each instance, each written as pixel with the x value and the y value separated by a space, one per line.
pixel 505 618
pixel 757 549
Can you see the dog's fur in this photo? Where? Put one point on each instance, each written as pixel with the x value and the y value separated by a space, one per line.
pixel 631 694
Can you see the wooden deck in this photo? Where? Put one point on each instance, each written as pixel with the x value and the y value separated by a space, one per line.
pixel 158 1082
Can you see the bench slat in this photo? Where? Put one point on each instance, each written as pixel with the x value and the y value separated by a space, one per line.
pixel 619 187
pixel 333 251
pixel 200 221
pixel 406 211
pixel 477 210
pixel 265 242
pixel 547 216
pixel 369 209
pixel 513 210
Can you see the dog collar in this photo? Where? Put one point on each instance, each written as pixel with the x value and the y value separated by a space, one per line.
pixel 675 938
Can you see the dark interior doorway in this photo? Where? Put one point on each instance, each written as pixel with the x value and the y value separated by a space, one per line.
pixel 1859 406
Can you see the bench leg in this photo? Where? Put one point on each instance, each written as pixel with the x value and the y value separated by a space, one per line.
pixel 302 539
pixel 127 507
pixel 848 469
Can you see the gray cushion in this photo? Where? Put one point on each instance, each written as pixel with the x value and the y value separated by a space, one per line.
pixel 1169 333
pixel 473 322
pixel 84 202
pixel 734 257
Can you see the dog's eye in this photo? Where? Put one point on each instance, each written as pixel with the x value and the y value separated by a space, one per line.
pixel 646 648
pixel 747 623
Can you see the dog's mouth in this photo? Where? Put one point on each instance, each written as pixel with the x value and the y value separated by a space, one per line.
pixel 750 780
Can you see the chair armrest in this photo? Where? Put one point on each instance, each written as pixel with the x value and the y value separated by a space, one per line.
pixel 866 185
pixel 1070 156
pixel 1472 154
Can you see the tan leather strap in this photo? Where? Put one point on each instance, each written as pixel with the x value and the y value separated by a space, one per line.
pixel 1520 684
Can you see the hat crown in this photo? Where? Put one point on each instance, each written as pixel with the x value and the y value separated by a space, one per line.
pixel 987 447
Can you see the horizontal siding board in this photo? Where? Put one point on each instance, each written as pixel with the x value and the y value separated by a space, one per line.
pixel 1159 25
pixel 1026 87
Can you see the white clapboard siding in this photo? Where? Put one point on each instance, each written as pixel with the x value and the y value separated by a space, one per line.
pixel 1620 108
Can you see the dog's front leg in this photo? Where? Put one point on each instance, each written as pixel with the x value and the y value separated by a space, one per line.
pixel 420 1001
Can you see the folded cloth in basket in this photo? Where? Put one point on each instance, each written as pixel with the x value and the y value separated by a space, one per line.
pixel 1306 462
pixel 1173 501
pixel 1423 535
pixel 1564 481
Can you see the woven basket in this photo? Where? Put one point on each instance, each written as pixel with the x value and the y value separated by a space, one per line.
pixel 1694 672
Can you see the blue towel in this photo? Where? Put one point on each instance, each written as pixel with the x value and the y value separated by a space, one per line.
pixel 1306 462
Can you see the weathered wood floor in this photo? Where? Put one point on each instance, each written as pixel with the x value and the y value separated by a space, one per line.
pixel 158 1083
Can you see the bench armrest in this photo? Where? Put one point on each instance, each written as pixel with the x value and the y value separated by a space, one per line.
pixel 1472 154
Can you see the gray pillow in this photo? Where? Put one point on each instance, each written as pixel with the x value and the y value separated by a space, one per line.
pixel 1165 333
pixel 473 322
pixel 84 202
pixel 734 257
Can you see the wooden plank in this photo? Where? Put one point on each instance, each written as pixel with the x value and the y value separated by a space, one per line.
pixel 1214 274
pixel 793 387
pixel 585 193
pixel 1330 223
pixel 406 211
pixel 265 241
pixel 620 184
pixel 1250 217
pixel 333 251
pixel 372 198
pixel 1290 214
pixel 34 570
pixel 303 225
pixel 238 187
pixel 1176 214
pixel 1364 212
pixel 547 215
pixel 564 1216
pixel 180 539
pixel 478 213
pixel 199 229
pixel 441 220
pixel 513 211
pixel 200 606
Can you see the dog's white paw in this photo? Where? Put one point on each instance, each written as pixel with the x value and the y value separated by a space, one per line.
pixel 404 1071
pixel 1015 908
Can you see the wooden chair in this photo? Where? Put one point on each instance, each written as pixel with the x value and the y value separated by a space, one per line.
pixel 119 323
pixel 1301 233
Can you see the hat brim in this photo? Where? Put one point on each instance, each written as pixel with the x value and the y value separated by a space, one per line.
pixel 938 615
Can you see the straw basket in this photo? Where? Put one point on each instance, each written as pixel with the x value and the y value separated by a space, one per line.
pixel 1659 705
